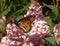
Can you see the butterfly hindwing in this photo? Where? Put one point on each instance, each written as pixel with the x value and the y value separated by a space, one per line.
pixel 25 23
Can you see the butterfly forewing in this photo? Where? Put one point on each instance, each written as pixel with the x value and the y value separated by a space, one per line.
pixel 25 23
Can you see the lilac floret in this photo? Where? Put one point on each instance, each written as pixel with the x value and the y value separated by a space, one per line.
pixel 57 33
pixel 36 10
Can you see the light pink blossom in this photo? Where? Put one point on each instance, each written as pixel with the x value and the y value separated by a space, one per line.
pixel 17 37
pixel 5 41
pixel 39 27
pixel 57 33
pixel 36 10
pixel 2 20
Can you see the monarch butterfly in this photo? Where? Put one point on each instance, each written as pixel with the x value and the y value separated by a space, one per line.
pixel 25 23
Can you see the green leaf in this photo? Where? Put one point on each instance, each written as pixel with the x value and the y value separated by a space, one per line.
pixel 50 39
pixel 2 5
pixel 53 8
pixel 52 16
pixel 5 12
pixel 2 26
pixel 21 16
pixel 20 11
pixel 49 21
pixel 58 18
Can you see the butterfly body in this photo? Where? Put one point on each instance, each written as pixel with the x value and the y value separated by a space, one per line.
pixel 25 23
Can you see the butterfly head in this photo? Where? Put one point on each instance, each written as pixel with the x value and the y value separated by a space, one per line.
pixel 17 20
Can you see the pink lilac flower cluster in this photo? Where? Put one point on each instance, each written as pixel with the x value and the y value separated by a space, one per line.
pixel 39 29
pixel 15 37
pixel 36 10
pixel 57 33
pixel 2 20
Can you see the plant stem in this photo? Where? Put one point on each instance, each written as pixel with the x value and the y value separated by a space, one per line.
pixel 57 3
pixel 54 2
